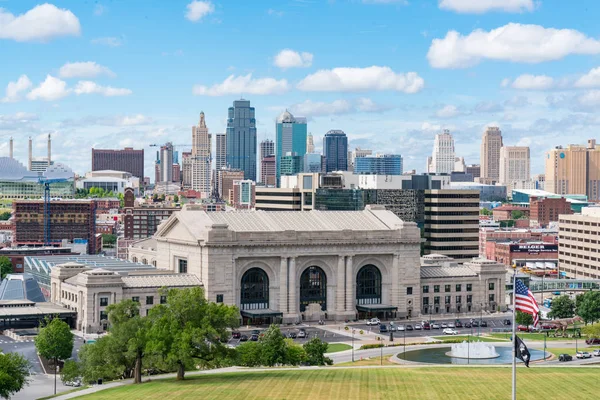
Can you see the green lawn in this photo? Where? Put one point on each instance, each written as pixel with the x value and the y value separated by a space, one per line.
pixel 535 336
pixel 335 347
pixel 450 338
pixel 570 350
pixel 370 383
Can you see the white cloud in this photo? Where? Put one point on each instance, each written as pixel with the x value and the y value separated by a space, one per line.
pixel 41 23
pixel 589 80
pixel 275 13
pixel 309 108
pixel 89 87
pixel 88 69
pixel 288 58
pixel 590 98
pixel 517 102
pixel 512 42
pixel 99 10
pixel 49 90
pixel 531 82
pixel 15 89
pixel 108 41
pixel 483 6
pixel 365 104
pixel 361 79
pixel 241 85
pixel 448 111
pixel 196 10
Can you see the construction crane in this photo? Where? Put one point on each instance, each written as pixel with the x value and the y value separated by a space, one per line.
pixel 47 221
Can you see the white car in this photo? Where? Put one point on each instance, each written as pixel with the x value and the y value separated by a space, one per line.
pixel 450 331
pixel 596 353
pixel 451 325
pixel 373 321
pixel 583 354
pixel 417 327
pixel 401 328
pixel 444 326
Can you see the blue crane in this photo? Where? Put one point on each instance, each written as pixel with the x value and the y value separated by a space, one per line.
pixel 47 224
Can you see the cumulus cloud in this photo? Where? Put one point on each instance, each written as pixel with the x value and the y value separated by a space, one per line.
pixel 17 121
pixel 288 58
pixel 119 120
pixel 487 107
pixel 51 89
pixel 88 69
pixel 517 102
pixel 42 23
pixel 15 89
pixel 89 87
pixel 309 108
pixel 361 79
pixel 197 10
pixel 483 6
pixel 243 84
pixel 512 42
pixel 589 80
pixel 530 82
pixel 108 41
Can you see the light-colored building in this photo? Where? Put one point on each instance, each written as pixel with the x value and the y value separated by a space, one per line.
pixel 227 177
pixel 244 194
pixel 578 245
pixel 310 143
pixel 491 143
pixel 514 165
pixel 201 158
pixel 442 158
pixel 186 169
pixel 459 165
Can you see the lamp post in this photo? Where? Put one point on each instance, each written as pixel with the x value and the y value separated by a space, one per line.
pixel 353 345
pixel 480 317
pixel 404 345
pixel 381 352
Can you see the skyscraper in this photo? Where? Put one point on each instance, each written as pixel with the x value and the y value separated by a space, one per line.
pixel 166 163
pixel 514 164
pixel 291 137
pixel 201 157
pixel 241 138
pixel 127 160
pixel 220 158
pixel 186 169
pixel 335 150
pixel 442 158
pixel 267 148
pixel 491 143
pixel 310 144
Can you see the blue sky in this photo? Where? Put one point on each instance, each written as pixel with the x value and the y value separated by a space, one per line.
pixel 390 73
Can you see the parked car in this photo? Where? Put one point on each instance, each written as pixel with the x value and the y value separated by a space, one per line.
pixel 534 328
pixel 383 328
pixel 426 326
pixel 506 322
pixel 467 325
pixel 393 327
pixel 483 324
pixel 596 353
pixel 458 324
pixel 450 331
pixel 243 338
pixel 374 322
pixel 451 325
pixel 418 327
pixel 522 328
pixel 74 383
pixel 301 334
pixel 475 323
pixel 444 326
pixel 236 334
pixel 592 341
pixel 435 326
pixel 401 328
pixel 254 337
pixel 292 335
pixel 256 332
pixel 409 327
pixel 565 357
pixel 583 354
pixel 548 326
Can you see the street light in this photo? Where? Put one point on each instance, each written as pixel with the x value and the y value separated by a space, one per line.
pixel 480 318
pixel 353 345
pixel 404 345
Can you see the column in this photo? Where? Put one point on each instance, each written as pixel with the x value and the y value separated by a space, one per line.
pixel 340 290
pixel 283 285
pixel 350 285
pixel 293 298
pixel 395 295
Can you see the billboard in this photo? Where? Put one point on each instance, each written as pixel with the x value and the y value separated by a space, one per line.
pixel 534 248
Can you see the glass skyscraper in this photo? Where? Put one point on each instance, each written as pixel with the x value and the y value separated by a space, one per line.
pixel 335 150
pixel 241 138
pixel 290 137
pixel 387 164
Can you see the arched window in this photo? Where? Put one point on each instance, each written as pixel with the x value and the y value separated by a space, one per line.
pixel 144 261
pixel 313 288
pixel 368 285
pixel 134 259
pixel 154 263
pixel 255 290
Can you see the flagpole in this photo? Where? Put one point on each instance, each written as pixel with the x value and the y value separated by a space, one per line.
pixel 514 336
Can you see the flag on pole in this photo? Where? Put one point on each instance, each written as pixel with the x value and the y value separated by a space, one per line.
pixel 525 302
pixel 521 351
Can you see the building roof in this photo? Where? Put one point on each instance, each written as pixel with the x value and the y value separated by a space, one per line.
pixel 510 208
pixel 158 281
pixel 447 271
pixel 44 264
pixel 20 287
pixel 148 244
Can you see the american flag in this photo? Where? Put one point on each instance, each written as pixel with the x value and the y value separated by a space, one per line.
pixel 525 302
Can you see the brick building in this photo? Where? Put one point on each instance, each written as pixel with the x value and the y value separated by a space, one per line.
pixel 504 213
pixel 128 159
pixel 16 256
pixel 141 222
pixel 547 209
pixel 507 252
pixel 105 205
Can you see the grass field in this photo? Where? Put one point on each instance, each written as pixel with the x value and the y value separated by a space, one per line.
pixel 367 362
pixel 571 351
pixel 464 338
pixel 535 336
pixel 372 384
pixel 335 347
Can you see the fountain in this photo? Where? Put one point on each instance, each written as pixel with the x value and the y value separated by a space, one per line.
pixel 475 350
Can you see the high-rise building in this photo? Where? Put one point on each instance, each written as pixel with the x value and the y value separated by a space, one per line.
pixel 128 160
pixel 491 143
pixel 473 169
pixel 357 152
pixel 384 164
pixel 241 138
pixel 267 148
pixel 244 194
pixel 335 150
pixel 228 176
pixel 268 171
pixel 310 144
pixel 574 170
pixel 514 165
pixel 578 246
pixel 166 163
pixel 220 158
pixel 176 173
pixel 291 164
pixel 291 137
pixel 201 158
pixel 442 158
pixel 313 162
pixel 186 169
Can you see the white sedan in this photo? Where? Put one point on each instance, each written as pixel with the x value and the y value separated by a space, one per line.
pixel 450 331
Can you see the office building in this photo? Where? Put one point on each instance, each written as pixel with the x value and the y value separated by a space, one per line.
pixel 268 171
pixel 579 248
pixel 278 199
pixel 165 163
pixel 128 159
pixel 514 165
pixel 244 194
pixel 201 158
pixel 313 162
pixel 526 196
pixel 241 138
pixel 385 164
pixel 310 144
pixel 357 152
pixel 291 164
pixel 142 221
pixel 486 192
pixel 442 158
pixel 186 169
pixel 291 138
pixel 220 158
pixel 16 182
pixel 452 223
pixel 177 174
pixel 267 149
pixel 335 150
pixel 228 176
pixel 544 210
pixel 491 143
pixel 473 169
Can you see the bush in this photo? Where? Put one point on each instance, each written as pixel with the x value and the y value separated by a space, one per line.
pixel 346 328
pixel 371 346
pixel 70 372
pixel 249 354
pixel 361 332
pixel 315 352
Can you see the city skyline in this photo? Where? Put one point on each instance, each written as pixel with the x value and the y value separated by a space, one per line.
pixel 95 81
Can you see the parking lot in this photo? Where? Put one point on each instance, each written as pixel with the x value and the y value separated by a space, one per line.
pixel 311 332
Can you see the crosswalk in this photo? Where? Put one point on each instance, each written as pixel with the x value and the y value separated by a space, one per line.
pixel 14 341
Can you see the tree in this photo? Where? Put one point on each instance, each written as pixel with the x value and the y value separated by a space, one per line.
pixel 121 200
pixel 273 347
pixel 524 318
pixel 294 353
pixel 5 216
pixel 315 352
pixel 485 211
pixel 188 329
pixel 54 342
pixel 588 306
pixel 5 267
pixel 249 354
pixel 109 240
pixel 517 214
pixel 176 199
pixel 14 374
pixel 70 372
pixel 562 307
pixel 104 359
pixel 592 331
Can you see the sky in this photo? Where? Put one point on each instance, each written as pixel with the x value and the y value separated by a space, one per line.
pixel 389 73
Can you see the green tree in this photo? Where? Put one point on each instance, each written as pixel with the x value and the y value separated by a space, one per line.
pixel 273 347
pixel 524 318
pixel 315 352
pixel 517 214
pixel 121 200
pixel 249 354
pixel 5 216
pixel 5 267
pixel 588 306
pixel 294 353
pixel 54 342
pixel 188 329
pixel 592 331
pixel 485 211
pixel 109 240
pixel 176 199
pixel 562 307
pixel 14 374
pixel 104 359
pixel 70 372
